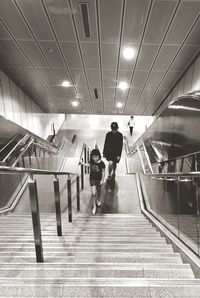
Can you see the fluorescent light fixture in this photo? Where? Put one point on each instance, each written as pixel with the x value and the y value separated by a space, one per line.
pixel 119 105
pixel 65 84
pixel 75 103
pixel 128 53
pixel 123 85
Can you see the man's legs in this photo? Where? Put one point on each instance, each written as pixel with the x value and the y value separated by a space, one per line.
pixel 111 168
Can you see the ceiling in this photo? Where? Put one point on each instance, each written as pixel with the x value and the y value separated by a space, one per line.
pixel 43 43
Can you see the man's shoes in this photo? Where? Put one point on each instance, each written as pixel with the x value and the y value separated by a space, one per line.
pixel 94 210
pixel 98 203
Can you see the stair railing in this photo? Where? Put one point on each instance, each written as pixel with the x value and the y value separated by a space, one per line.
pixel 33 193
pixel 174 200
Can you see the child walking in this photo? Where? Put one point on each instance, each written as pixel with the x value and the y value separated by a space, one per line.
pixel 97 174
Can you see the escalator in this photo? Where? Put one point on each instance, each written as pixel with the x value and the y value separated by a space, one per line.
pixel 170 155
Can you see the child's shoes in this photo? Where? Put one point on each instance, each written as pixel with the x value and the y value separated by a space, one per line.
pixel 98 203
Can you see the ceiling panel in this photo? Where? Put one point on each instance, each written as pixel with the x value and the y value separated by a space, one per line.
pixel 42 43
pixel 91 19
pixel 109 79
pixel 166 55
pixel 134 21
pixel 187 13
pixel 185 55
pixel 93 78
pixel 43 31
pixel 110 25
pixel 194 37
pixel 109 55
pixel 108 93
pixel 13 51
pixel 78 77
pixel 61 74
pixel 170 79
pixel 155 78
pixel 146 57
pixel 71 54
pixel 13 20
pixel 4 34
pixel 33 53
pixel 31 75
pixel 47 76
pixel 159 18
pixel 52 53
pixel 139 78
pixel 90 54
pixel 60 16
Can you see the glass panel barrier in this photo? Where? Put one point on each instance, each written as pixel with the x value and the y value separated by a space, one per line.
pixel 175 202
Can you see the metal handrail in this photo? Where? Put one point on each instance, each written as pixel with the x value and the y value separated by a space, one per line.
pixel 15 137
pixel 22 152
pixel 13 149
pixel 7 169
pixel 177 174
pixel 34 204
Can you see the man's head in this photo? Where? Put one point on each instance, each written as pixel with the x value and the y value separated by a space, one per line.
pixel 114 126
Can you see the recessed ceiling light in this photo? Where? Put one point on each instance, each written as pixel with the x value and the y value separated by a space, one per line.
pixel 50 51
pixel 119 105
pixel 65 84
pixel 123 85
pixel 128 53
pixel 75 103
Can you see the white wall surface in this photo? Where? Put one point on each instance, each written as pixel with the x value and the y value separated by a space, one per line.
pixel 15 105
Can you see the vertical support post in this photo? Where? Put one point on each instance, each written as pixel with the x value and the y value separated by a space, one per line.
pixel 57 205
pixel 29 155
pixel 35 151
pixel 36 219
pixel 69 199
pixel 85 158
pixel 82 177
pixel 88 158
pixel 78 192
pixel 23 163
pixel 198 212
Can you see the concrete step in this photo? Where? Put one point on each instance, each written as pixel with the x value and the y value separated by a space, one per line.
pixel 97 270
pixel 94 257
pixel 100 287
pixel 85 248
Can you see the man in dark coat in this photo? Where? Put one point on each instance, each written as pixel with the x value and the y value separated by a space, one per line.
pixel 113 149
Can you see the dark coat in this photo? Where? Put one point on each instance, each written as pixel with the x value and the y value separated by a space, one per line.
pixel 113 145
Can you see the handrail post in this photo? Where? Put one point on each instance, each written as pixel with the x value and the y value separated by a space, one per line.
pixel 85 158
pixel 88 158
pixel 57 205
pixel 69 191
pixel 36 219
pixel 78 192
pixel 82 177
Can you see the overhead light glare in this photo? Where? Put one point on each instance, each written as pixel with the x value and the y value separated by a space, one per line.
pixel 65 84
pixel 128 53
pixel 119 105
pixel 75 103
pixel 123 85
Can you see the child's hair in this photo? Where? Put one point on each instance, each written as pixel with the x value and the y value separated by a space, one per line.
pixel 95 152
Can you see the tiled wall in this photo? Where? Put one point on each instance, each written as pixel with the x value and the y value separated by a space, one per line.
pixel 15 105
pixel 189 82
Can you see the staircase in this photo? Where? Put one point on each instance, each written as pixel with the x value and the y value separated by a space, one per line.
pixel 109 255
